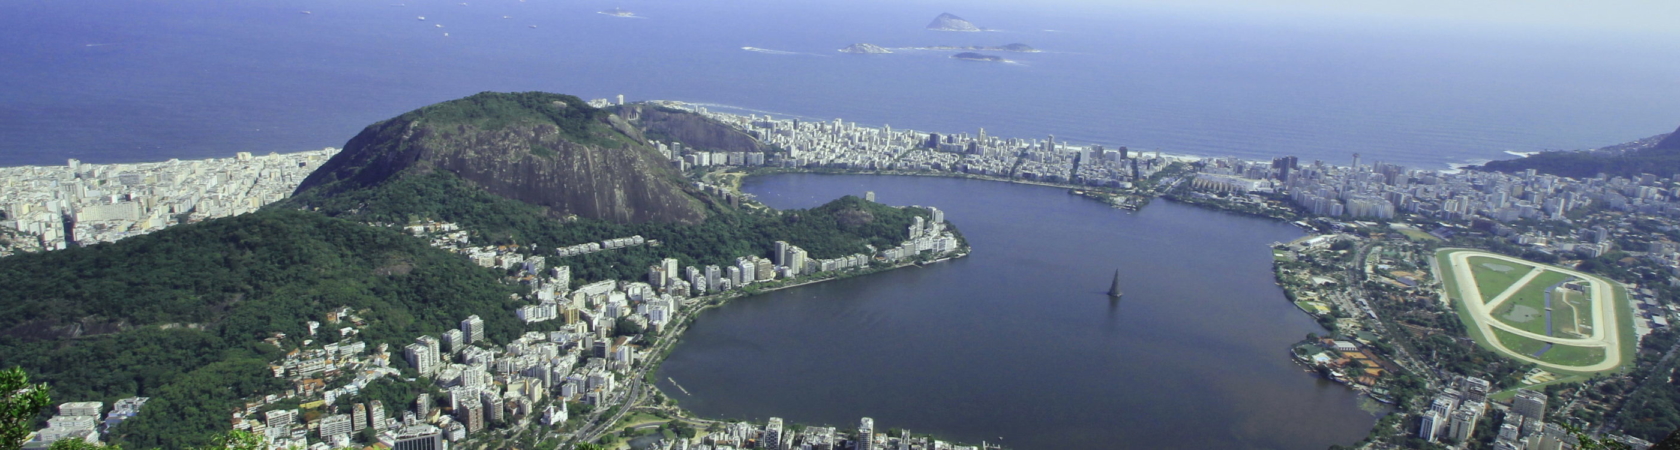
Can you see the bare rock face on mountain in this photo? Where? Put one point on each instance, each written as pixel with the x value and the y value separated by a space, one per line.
pixel 948 22
pixel 692 130
pixel 548 150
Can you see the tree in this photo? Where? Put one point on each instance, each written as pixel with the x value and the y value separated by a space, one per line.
pixel 1590 443
pixel 78 444
pixel 21 403
pixel 238 440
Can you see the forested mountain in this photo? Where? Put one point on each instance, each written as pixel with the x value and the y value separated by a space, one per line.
pixel 842 227
pixel 193 316
pixel 1659 155
pixel 180 315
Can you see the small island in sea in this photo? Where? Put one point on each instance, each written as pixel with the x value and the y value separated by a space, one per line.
pixel 949 22
pixel 867 49
pixel 971 56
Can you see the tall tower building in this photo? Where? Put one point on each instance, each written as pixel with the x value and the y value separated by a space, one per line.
pixel 866 434
pixel 773 434
pixel 473 328
pixel 376 415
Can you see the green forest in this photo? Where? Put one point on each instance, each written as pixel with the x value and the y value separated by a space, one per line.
pixel 179 315
pixel 842 227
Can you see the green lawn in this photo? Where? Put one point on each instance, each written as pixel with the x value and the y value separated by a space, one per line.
pixel 1519 344
pixel 1573 356
pixel 1418 235
pixel 1493 282
pixel 1567 355
pixel 1530 303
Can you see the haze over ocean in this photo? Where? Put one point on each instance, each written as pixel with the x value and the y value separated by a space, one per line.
pixel 146 81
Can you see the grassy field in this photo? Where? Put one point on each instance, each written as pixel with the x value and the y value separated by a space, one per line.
pixel 1568 355
pixel 1571 313
pixel 1530 299
pixel 1493 282
pixel 1418 235
pixel 1624 317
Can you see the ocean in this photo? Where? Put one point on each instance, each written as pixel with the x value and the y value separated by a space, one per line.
pixel 143 81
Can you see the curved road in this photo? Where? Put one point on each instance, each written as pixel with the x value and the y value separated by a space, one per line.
pixel 1606 331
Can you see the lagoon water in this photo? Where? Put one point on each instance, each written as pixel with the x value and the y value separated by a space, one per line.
pixel 111 81
pixel 1019 341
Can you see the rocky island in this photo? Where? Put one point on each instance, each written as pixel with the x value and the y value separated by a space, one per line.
pixel 949 22
pixel 865 49
pixel 971 56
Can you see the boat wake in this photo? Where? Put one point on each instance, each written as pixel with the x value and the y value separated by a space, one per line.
pixel 777 52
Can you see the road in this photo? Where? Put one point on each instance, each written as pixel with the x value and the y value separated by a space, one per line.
pixel 635 387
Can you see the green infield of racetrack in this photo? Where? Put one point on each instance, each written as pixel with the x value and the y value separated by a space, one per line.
pixel 1493 282
pixel 1532 297
pixel 1560 354
pixel 1449 281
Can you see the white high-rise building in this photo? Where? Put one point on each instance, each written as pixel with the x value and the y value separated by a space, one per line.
pixel 1428 424
pixel 748 270
pixel 773 434
pixel 473 328
pixel 335 425
pixel 866 434
pixel 420 357
pixel 453 340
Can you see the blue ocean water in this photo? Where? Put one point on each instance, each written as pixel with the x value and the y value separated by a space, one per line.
pixel 109 81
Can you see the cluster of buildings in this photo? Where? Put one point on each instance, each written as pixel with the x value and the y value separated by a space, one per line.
pixel 49 208
pixel 848 146
pixel 1527 209
pixel 597 346
pixel 774 435
pixel 81 421
pixel 1454 412
pixel 1347 361
pixel 523 382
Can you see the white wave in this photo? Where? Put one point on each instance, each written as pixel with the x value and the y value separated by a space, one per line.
pixel 1459 167
pixel 751 110
pixel 1520 154
pixel 777 52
